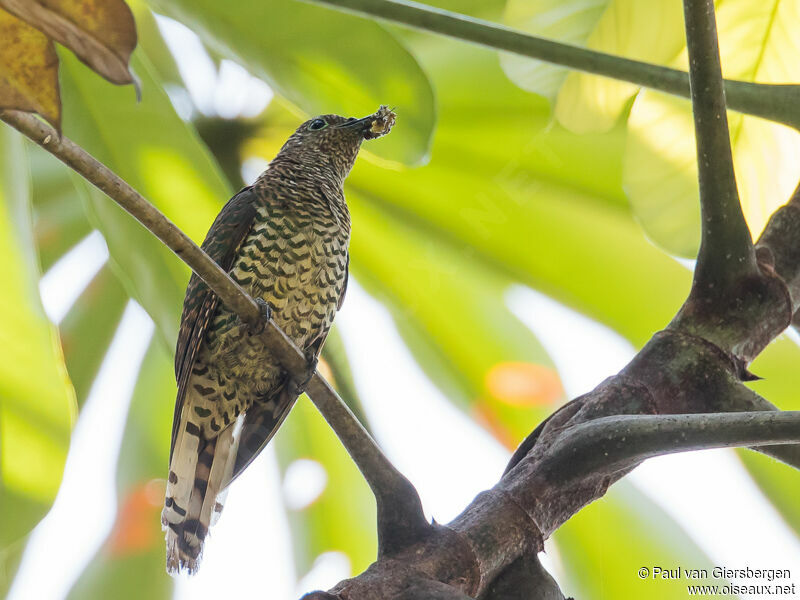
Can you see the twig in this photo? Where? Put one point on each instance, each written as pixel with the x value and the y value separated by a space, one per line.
pixel 726 248
pixel 747 400
pixel 400 515
pixel 773 102
pixel 620 442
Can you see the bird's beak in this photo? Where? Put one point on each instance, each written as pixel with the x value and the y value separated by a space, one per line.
pixel 374 125
pixel 363 124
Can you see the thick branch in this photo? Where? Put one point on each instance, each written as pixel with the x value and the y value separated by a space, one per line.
pixel 773 102
pixel 400 516
pixel 778 248
pixel 555 480
pixel 726 248
pixel 619 442
pixel 735 303
pixel 524 579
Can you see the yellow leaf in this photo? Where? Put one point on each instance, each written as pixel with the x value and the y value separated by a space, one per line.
pixel 102 33
pixel 28 70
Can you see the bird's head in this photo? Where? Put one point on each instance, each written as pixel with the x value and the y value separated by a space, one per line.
pixel 329 143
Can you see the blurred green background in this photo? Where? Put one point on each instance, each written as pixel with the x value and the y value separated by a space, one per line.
pixel 500 171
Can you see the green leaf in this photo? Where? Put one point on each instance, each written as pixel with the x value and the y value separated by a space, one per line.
pixel 652 32
pixel 144 454
pixel 59 221
pixel 570 22
pixel 321 60
pixel 450 309
pixel 538 205
pixel 37 402
pixel 10 557
pixel 603 547
pixel 130 564
pixel 89 327
pixel 647 31
pixel 340 377
pixel 342 518
pixel 661 171
pixel 158 53
pixel 660 164
pixel 149 146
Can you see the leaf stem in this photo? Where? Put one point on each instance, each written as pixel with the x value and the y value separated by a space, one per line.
pixel 400 515
pixel 769 101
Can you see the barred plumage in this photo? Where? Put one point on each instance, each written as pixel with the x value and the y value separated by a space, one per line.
pixel 284 240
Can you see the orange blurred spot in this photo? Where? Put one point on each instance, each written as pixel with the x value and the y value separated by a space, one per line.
pixel 523 384
pixel 490 421
pixel 138 525
pixel 325 370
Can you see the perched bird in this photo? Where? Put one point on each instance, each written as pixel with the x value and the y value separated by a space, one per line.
pixel 284 239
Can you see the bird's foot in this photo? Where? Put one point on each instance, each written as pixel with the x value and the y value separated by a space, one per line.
pixel 298 386
pixel 266 315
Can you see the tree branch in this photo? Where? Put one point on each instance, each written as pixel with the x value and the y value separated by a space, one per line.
pixel 774 102
pixel 726 248
pixel 573 464
pixel 779 251
pixel 400 515
pixel 735 303
pixel 746 400
pixel 524 579
pixel 622 441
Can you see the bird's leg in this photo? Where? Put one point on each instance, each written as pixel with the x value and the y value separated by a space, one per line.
pixel 266 315
pixel 298 386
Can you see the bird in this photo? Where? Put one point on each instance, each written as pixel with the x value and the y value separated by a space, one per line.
pixel 284 239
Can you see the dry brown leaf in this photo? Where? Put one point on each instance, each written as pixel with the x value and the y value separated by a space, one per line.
pixel 28 70
pixel 102 33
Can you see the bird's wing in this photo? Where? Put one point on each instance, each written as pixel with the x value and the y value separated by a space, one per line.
pixel 346 280
pixel 222 242
pixel 261 422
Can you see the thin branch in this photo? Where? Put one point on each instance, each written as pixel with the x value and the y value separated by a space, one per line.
pixel 400 515
pixel 773 102
pixel 726 248
pixel 623 441
pixel 747 400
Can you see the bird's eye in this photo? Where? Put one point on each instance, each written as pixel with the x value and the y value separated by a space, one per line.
pixel 317 124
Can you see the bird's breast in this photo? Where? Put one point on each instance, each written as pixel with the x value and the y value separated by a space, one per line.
pixel 296 260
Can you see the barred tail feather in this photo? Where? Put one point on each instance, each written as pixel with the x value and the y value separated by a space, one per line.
pixel 199 472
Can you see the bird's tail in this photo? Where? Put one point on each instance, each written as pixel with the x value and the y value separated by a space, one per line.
pixel 199 471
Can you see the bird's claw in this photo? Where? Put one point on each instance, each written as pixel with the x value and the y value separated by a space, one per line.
pixel 266 315
pixel 298 387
